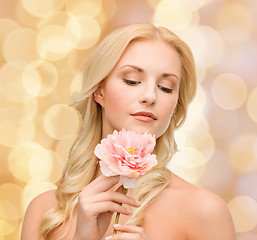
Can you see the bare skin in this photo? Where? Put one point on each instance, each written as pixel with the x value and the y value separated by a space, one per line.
pixel 181 212
pixel 145 79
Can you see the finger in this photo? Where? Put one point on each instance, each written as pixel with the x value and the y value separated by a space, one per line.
pixel 120 188
pixel 124 236
pixel 101 184
pixel 115 197
pixel 128 228
pixel 102 207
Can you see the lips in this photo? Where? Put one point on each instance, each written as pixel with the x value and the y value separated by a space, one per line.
pixel 144 116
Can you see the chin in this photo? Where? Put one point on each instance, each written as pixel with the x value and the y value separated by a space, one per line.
pixel 141 129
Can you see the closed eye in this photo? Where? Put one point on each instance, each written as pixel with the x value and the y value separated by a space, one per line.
pixel 131 82
pixel 164 89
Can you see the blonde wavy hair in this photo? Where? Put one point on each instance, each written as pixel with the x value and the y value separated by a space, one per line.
pixel 81 166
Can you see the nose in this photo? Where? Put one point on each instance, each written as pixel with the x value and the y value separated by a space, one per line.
pixel 148 96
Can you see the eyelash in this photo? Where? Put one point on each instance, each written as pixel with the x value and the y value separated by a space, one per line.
pixel 134 83
pixel 167 90
pixel 131 82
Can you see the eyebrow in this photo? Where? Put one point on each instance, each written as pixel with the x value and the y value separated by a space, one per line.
pixel 170 75
pixel 139 69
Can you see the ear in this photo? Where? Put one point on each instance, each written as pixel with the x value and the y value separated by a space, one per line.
pixel 99 95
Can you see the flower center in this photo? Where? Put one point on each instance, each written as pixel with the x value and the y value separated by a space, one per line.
pixel 131 150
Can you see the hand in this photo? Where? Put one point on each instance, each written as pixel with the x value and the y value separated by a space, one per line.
pixel 128 232
pixel 96 204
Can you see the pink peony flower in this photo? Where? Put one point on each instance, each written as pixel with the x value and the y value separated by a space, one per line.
pixel 128 154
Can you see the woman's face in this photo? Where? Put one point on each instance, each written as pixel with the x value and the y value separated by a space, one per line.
pixel 142 90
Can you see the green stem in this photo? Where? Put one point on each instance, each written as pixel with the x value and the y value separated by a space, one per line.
pixel 118 214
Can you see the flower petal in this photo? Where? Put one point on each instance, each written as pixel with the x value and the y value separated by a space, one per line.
pixel 115 159
pixel 119 150
pixel 106 170
pixel 98 151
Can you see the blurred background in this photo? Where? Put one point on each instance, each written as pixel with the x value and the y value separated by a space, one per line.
pixel 44 44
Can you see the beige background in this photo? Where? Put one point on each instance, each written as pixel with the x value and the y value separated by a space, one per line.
pixel 43 45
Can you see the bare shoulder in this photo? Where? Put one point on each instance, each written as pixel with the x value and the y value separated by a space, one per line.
pixel 208 215
pixel 196 200
pixel 191 197
pixel 34 213
pixel 188 212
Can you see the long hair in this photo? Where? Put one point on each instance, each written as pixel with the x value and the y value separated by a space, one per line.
pixel 80 168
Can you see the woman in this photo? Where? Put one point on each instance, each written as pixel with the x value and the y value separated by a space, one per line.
pixel 140 78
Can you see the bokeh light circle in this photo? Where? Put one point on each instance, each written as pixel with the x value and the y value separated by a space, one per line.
pixel 189 157
pixel 246 186
pixel 193 5
pixel 43 8
pixel 12 193
pixel 229 91
pixel 6 227
pixel 219 169
pixel 252 105
pixel 17 43
pixel 17 112
pixel 13 90
pixel 57 165
pixel 52 43
pixel 195 115
pixel 12 134
pixel 22 15
pixel 185 135
pixel 6 26
pixel 16 118
pixel 206 44
pixel 8 210
pixel 20 157
pixel 241 153
pixel 40 79
pixel 201 74
pixel 244 213
pixel 31 80
pixel 59 18
pixel 223 123
pixel 82 31
pixel 46 165
pixel 108 10
pixel 83 7
pixel 189 164
pixel 185 4
pixel 234 22
pixel 201 139
pixel 40 165
pixel 61 121
pixel 76 85
pixel 172 15
pixel 63 148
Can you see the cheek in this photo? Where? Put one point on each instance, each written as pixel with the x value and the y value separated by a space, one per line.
pixel 116 98
pixel 169 107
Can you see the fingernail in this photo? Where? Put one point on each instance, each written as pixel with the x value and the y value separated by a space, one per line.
pixel 137 202
pixel 117 225
pixel 108 238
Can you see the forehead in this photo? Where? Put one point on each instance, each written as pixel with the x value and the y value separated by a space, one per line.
pixel 151 54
